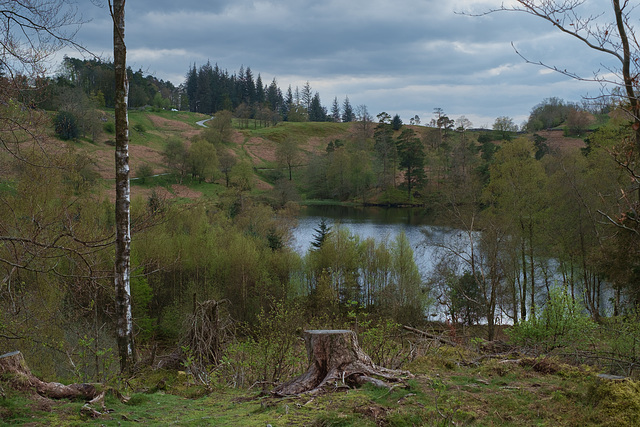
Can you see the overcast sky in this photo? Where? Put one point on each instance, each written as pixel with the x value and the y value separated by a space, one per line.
pixel 404 57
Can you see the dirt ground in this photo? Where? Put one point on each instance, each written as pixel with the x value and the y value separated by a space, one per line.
pixel 557 141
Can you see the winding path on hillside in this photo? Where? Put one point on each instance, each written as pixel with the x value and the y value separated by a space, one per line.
pixel 202 122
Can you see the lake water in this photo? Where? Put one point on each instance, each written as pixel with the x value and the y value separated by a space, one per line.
pixel 380 224
pixel 386 223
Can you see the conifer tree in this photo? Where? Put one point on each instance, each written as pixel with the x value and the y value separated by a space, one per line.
pixel 322 232
pixel 347 111
pixel 335 110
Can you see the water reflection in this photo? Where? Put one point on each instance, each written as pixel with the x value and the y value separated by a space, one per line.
pixel 380 224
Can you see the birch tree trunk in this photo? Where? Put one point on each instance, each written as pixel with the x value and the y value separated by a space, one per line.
pixel 124 321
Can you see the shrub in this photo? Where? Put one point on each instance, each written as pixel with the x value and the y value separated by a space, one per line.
pixel 109 127
pixel 563 322
pixel 66 125
pixel 274 352
pixel 144 171
pixel 139 128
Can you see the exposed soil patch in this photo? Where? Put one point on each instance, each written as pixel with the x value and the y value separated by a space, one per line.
pixel 558 142
pixel 261 185
pixel 184 191
pixel 138 155
pixel 261 150
pixel 185 130
pixel 317 144
pixel 168 124
pixel 177 191
pixel 237 137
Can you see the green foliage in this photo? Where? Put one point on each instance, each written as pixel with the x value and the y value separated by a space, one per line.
pixel 141 297
pixel 66 125
pixel 203 161
pixel 176 155
pixel 621 338
pixel 109 127
pixel 241 175
pixel 139 127
pixel 412 159
pixel 548 114
pixel 542 147
pixel 271 353
pixel 396 123
pixel 505 127
pixel 381 340
pixel 144 172
pixel 563 322
pixel 465 299
pixel 170 322
pixel 382 277
pixel 322 232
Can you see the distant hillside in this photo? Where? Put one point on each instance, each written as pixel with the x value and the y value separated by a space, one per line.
pixel 150 131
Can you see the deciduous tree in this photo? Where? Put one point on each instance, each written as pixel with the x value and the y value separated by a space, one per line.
pixel 124 320
pixel 288 154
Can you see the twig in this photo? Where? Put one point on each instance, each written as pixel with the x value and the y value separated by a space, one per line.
pixel 431 336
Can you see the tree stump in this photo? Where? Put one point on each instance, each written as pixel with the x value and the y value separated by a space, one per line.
pixel 335 357
pixel 22 378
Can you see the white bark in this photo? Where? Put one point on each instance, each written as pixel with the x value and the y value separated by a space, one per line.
pixel 124 321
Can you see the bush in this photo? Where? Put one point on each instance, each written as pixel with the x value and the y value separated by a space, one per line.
pixel 563 322
pixel 274 352
pixel 109 127
pixel 139 128
pixel 66 125
pixel 144 171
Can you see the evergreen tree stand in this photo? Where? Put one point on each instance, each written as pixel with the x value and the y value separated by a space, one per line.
pixel 336 359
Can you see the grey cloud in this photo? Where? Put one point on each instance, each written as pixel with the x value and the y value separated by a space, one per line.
pixel 395 56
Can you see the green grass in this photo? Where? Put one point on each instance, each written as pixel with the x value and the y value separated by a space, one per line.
pixel 301 130
pixel 492 393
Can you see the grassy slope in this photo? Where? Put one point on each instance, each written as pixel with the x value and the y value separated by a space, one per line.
pixel 149 132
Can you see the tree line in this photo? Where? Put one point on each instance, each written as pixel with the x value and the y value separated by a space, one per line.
pixel 210 88
pixel 94 78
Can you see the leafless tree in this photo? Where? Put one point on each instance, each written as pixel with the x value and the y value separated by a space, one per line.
pixel 31 32
pixel 611 35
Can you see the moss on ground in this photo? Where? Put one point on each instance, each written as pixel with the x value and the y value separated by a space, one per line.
pixel 446 389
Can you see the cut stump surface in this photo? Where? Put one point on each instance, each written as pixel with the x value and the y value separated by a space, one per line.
pixel 336 358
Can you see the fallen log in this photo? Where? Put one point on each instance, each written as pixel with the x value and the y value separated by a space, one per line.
pixel 13 363
pixel 335 358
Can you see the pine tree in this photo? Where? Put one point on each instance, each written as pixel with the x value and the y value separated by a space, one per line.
pixel 347 111
pixel 274 96
pixel 192 87
pixel 306 97
pixel 335 110
pixel 249 87
pixel 288 103
pixel 317 113
pixel 412 158
pixel 260 93
pixel 396 123
pixel 322 231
